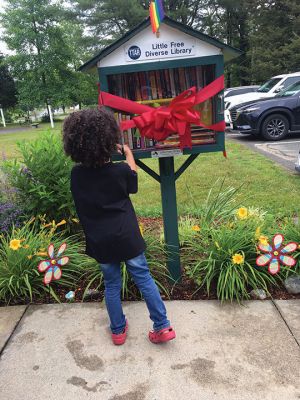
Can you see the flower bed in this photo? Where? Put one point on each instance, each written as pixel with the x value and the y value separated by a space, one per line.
pixel 220 241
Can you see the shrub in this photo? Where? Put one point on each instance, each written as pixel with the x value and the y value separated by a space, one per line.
pixel 223 253
pixel 187 228
pixel 20 280
pixel 10 212
pixel 225 257
pixel 43 178
pixel 10 215
pixel 219 205
pixel 45 117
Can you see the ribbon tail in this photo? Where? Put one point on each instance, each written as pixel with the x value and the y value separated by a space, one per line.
pixel 218 127
pixel 128 124
pixel 186 139
pixel 210 90
pixel 118 103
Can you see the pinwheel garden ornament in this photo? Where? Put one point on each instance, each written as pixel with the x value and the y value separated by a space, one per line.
pixel 52 267
pixel 276 254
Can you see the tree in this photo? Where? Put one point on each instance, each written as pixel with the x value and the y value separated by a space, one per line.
pixel 107 20
pixel 43 64
pixel 275 44
pixel 7 86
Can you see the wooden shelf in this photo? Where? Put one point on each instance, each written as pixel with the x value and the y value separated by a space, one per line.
pixel 158 101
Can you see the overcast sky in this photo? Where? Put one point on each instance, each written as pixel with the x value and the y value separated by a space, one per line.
pixel 3 48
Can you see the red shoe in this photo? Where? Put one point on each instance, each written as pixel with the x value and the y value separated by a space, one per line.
pixel 120 338
pixel 164 335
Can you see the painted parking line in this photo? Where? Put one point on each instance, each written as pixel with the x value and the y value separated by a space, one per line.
pixel 272 143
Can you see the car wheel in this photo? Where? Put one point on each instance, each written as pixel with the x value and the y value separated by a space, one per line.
pixel 275 127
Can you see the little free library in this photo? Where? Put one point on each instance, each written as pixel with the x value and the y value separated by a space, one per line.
pixel 166 92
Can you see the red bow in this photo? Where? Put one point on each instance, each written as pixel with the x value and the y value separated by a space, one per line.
pixel 159 123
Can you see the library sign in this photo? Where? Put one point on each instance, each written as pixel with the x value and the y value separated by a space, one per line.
pixel 162 49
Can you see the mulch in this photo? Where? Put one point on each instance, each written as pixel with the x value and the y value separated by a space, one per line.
pixel 186 289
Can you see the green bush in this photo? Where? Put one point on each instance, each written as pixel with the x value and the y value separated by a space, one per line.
pixel 42 178
pixel 20 280
pixel 224 257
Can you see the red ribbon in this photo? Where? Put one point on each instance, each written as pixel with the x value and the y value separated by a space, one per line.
pixel 159 123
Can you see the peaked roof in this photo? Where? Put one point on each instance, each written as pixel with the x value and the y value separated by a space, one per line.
pixel 229 51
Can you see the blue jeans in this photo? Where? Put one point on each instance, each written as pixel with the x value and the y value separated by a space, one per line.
pixel 139 270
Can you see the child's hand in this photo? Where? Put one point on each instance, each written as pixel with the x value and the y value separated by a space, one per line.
pixel 126 149
pixel 120 148
pixel 123 149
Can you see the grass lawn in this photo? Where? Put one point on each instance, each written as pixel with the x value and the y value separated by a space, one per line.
pixel 265 184
pixel 8 141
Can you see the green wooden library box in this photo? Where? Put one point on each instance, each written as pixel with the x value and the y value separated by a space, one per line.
pixel 152 70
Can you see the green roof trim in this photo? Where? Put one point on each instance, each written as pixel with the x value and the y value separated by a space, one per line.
pixel 231 52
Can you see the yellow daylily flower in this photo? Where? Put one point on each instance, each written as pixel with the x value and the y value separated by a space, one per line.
pixel 47 225
pixel 15 244
pixel 242 213
pixel 237 259
pixel 196 228
pixel 41 253
pixel 141 226
pixel 62 222
pixel 263 240
pixel 257 232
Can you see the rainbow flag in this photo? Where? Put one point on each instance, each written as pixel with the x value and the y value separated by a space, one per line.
pixel 157 14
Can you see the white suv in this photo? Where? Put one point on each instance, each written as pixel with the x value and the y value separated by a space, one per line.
pixel 268 89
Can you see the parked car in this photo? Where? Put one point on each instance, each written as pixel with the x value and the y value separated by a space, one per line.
pixel 235 91
pixel 297 165
pixel 270 118
pixel 267 90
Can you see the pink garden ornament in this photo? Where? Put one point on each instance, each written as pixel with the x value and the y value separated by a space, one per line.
pixel 52 267
pixel 276 254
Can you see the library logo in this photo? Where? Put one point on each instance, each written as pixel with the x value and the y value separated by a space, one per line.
pixel 134 52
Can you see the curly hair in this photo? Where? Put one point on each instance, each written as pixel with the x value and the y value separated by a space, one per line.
pixel 90 136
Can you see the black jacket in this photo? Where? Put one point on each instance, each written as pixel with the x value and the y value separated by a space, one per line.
pixel 101 197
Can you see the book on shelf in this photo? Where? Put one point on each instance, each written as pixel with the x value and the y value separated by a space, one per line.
pixel 200 136
pixel 160 83
pixel 158 87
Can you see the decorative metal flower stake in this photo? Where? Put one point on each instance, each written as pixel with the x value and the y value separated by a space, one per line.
pixel 276 254
pixel 52 267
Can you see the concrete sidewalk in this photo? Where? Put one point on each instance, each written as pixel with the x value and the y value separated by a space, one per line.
pixel 64 352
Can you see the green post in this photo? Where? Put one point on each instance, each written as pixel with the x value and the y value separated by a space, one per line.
pixel 170 216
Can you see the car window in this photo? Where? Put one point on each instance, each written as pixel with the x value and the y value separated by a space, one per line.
pixel 266 87
pixel 291 90
pixel 241 91
pixel 289 81
pixel 236 92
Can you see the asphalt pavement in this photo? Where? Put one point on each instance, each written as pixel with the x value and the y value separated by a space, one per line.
pixel 7 130
pixel 283 152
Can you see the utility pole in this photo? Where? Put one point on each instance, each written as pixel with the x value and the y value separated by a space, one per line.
pixel 2 116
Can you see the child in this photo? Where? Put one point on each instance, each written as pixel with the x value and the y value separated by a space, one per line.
pixel 101 191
